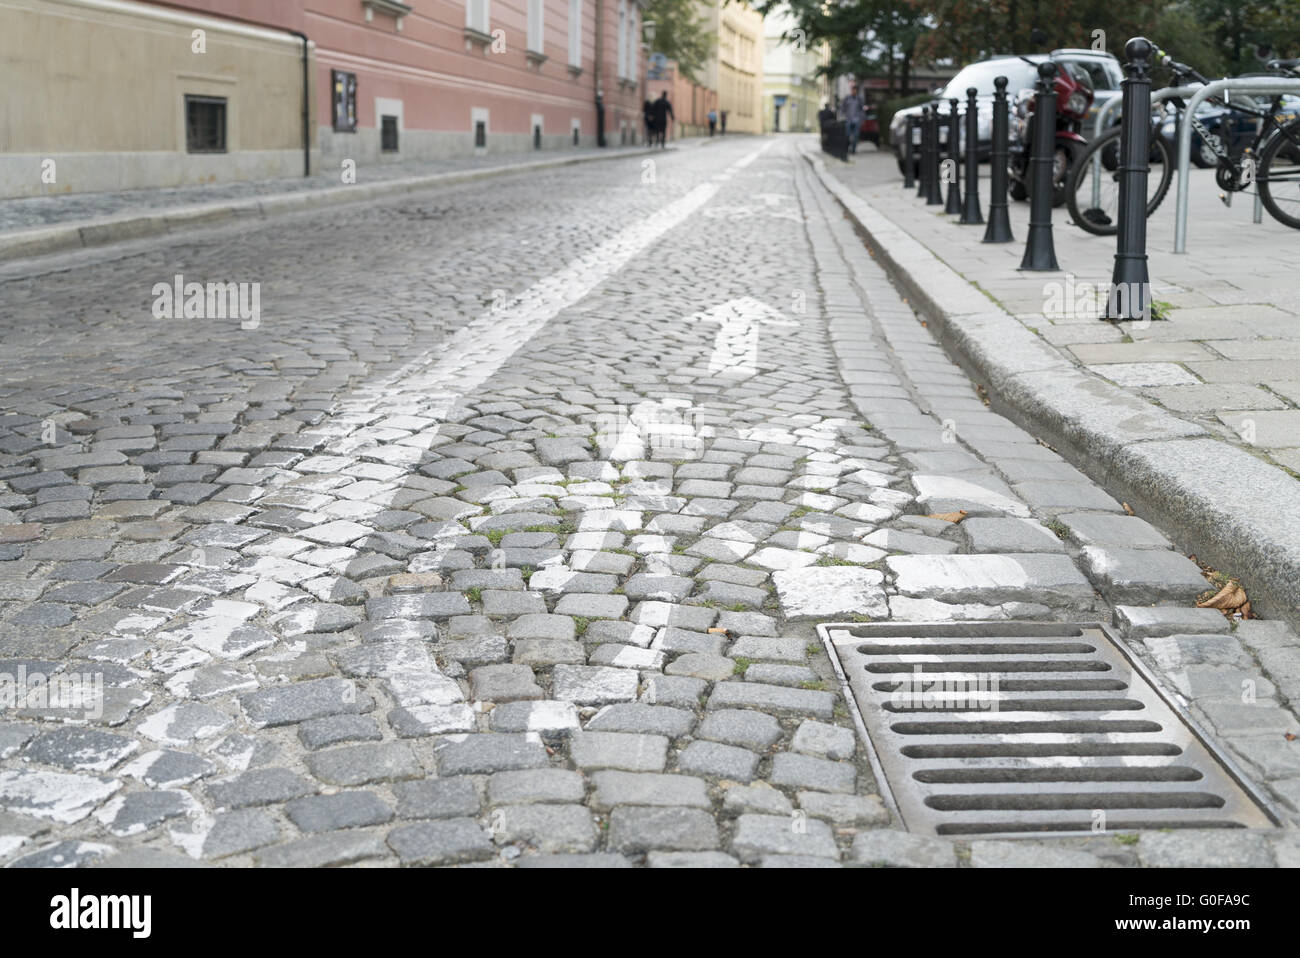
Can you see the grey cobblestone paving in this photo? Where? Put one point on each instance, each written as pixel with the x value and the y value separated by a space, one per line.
pixel 405 578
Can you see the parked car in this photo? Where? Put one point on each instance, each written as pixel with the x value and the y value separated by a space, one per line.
pixel 870 129
pixel 1103 70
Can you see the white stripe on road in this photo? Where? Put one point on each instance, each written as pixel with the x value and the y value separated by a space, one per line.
pixel 481 348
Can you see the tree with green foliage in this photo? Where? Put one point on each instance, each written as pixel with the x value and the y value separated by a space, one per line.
pixel 885 38
pixel 865 37
pixel 681 34
pixel 1238 29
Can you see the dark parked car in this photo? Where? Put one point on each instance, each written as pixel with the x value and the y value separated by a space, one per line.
pixel 1235 130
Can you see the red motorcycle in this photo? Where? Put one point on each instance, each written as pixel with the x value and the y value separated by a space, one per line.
pixel 1074 96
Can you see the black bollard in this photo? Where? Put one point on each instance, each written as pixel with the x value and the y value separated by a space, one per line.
pixel 954 161
pixel 909 179
pixel 922 161
pixel 1040 253
pixel 970 211
pixel 933 188
pixel 999 228
pixel 1130 290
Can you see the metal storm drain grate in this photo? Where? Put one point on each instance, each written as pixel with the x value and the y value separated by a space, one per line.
pixel 1004 728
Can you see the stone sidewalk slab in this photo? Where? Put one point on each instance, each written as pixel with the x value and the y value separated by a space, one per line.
pixel 1191 470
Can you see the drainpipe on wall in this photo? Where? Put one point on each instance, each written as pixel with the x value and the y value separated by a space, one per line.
pixel 306 105
pixel 600 93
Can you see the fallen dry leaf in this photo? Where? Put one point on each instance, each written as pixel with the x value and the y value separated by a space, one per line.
pixel 948 516
pixel 1290 736
pixel 717 631
pixel 1231 596
pixel 1229 600
pixel 1128 508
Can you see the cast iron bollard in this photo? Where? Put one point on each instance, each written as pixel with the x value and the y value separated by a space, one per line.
pixel 1040 253
pixel 970 213
pixel 923 160
pixel 1130 290
pixel 954 158
pixel 933 188
pixel 909 180
pixel 999 228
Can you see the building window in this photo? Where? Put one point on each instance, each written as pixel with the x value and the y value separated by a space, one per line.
pixel 480 133
pixel 575 33
pixel 632 45
pixel 388 134
pixel 477 15
pixel 345 101
pixel 536 39
pixel 622 38
pixel 205 124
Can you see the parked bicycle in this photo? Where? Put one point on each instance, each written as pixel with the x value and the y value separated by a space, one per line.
pixel 1271 162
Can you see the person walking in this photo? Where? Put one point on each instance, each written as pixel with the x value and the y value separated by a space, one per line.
pixel 663 112
pixel 851 111
pixel 713 121
pixel 648 115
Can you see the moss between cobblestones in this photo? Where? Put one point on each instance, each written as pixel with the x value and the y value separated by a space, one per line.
pixel 828 560
pixel 1058 527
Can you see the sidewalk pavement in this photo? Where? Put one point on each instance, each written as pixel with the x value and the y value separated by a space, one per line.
pixel 1195 417
pixel 31 226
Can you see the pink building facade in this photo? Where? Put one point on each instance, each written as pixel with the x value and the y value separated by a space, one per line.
pixel 691 101
pixel 457 76
pixel 417 79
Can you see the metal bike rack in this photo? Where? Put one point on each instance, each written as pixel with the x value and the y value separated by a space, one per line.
pixel 1249 85
pixel 1111 106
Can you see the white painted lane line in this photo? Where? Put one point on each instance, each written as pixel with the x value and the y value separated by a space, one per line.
pixel 478 350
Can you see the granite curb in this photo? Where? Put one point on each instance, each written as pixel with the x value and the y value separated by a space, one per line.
pixel 1218 501
pixel 81 234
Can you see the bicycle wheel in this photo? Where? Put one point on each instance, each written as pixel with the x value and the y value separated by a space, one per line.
pixel 1092 192
pixel 1278 175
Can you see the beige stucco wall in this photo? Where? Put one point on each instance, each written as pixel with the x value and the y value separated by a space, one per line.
pixel 739 71
pixel 790 70
pixel 99 85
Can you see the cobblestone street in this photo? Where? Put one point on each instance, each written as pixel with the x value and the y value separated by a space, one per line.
pixel 500 536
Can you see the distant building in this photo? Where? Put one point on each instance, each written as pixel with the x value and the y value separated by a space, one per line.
pixel 120 94
pixel 923 78
pixel 736 69
pixel 691 100
pixel 793 93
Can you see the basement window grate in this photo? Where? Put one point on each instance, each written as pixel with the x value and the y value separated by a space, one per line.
pixel 1028 729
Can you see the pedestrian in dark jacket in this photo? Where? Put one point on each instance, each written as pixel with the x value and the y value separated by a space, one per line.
pixel 663 112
